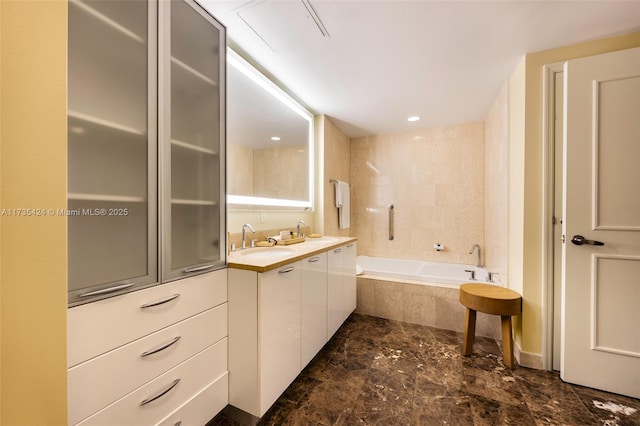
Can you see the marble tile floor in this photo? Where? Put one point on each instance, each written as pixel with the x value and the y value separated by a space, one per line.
pixel 384 372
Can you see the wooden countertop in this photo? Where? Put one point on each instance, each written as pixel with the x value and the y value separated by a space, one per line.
pixel 243 259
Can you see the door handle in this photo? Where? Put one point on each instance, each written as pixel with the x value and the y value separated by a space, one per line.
pixel 580 240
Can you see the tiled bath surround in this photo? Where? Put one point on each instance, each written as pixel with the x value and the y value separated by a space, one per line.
pixel 419 304
pixel 435 180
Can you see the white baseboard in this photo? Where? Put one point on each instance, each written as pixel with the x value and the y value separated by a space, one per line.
pixel 527 359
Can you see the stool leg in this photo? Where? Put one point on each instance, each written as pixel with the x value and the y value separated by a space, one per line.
pixel 469 332
pixel 507 341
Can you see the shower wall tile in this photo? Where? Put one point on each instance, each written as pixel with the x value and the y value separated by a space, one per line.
pixel 435 180
pixel 337 159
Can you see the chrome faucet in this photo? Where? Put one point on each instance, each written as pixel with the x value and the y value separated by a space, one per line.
pixel 477 246
pixel 244 228
pixel 300 222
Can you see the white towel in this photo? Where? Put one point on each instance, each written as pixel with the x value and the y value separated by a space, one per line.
pixel 343 204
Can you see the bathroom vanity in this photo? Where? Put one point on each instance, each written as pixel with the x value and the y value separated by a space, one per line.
pixel 285 303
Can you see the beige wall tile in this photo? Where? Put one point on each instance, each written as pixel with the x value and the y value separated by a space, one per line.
pixel 419 304
pixel 388 300
pixel 435 180
pixel 365 296
pixel 337 160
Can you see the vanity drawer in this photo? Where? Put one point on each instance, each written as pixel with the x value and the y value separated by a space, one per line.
pixel 154 401
pixel 98 382
pixel 202 407
pixel 101 326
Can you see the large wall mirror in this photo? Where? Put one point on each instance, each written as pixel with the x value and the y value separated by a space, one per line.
pixel 269 142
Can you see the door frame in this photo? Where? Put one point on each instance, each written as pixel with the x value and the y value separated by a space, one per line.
pixel 548 190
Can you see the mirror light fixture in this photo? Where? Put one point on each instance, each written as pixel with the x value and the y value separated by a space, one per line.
pixel 239 63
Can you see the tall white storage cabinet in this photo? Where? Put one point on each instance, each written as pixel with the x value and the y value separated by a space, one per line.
pixel 147 318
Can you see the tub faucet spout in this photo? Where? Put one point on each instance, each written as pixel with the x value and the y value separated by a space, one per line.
pixel 474 247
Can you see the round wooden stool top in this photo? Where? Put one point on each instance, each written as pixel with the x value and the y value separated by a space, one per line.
pixel 490 299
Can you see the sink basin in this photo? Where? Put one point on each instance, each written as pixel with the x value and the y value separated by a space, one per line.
pixel 266 253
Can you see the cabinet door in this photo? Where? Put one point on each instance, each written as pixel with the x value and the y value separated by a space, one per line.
pixel 313 289
pixel 279 331
pixel 335 291
pixel 192 72
pixel 112 154
pixel 349 277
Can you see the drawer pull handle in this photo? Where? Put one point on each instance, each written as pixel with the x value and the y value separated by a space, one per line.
pixel 197 268
pixel 161 393
pixel 161 347
pixel 160 302
pixel 284 271
pixel 107 290
pixel 314 259
pixel 337 250
pixel 349 245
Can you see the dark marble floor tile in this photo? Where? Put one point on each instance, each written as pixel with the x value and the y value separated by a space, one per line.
pixel 331 401
pixel 491 412
pixel 497 384
pixel 447 383
pixel 610 409
pixel 440 410
pixel 376 371
pixel 385 397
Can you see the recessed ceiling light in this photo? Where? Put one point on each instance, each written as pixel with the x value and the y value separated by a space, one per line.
pixel 275 138
pixel 414 118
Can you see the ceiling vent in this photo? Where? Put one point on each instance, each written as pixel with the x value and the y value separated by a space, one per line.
pixel 283 25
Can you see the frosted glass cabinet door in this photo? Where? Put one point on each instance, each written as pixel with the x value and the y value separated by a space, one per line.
pixel 112 148
pixel 193 52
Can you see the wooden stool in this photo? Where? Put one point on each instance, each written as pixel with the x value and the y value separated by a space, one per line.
pixel 495 300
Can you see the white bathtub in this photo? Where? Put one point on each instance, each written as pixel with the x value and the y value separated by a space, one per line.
pixel 419 272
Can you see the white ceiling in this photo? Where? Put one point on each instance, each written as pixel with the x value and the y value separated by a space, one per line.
pixel 378 62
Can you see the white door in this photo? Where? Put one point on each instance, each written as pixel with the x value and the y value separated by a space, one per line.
pixel 601 283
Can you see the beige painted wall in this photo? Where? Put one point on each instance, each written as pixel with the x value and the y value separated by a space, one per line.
pixel 516 189
pixel 435 180
pixel 496 185
pixel 531 272
pixel 33 279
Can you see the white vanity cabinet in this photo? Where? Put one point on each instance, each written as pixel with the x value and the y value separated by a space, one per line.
pixel 341 291
pixel 264 335
pixel 279 317
pixel 314 305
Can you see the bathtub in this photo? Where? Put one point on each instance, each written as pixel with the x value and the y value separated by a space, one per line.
pixel 425 293
pixel 418 272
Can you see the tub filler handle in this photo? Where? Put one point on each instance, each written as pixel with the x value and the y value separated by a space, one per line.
pixel 390 222
pixel 472 273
